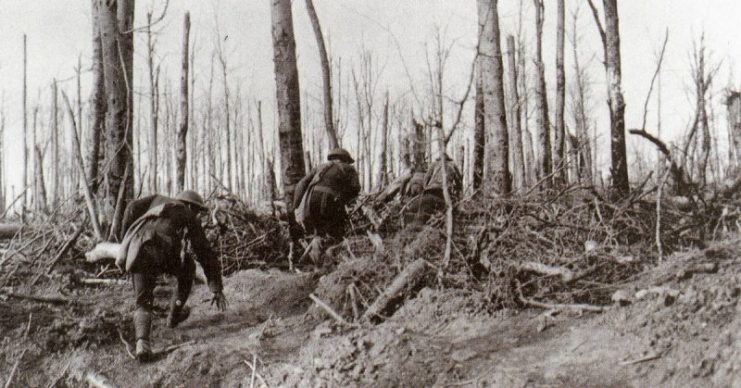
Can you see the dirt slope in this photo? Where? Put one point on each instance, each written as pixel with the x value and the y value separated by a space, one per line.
pixel 680 328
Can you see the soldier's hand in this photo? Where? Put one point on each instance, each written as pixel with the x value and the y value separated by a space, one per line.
pixel 219 300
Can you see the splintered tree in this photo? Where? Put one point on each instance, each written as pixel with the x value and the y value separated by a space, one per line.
pixel 25 130
pixel 97 101
pixel 544 168
pixel 610 35
pixel 153 108
pixel 580 93
pixel 559 156
pixel 326 76
pixel 116 19
pixel 288 101
pixel 733 102
pixel 497 177
pixel 183 128
pixel 518 156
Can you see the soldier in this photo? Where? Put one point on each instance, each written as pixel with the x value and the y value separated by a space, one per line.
pixel 432 198
pixel 321 196
pixel 158 230
pixel 434 178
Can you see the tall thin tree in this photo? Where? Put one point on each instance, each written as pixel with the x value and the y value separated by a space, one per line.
pixel 559 134
pixel 288 100
pixel 544 167
pixel 497 178
pixel 183 127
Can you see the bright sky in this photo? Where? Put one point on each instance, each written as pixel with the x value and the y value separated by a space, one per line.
pixel 59 31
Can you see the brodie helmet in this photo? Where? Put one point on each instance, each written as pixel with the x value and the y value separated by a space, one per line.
pixel 191 197
pixel 341 154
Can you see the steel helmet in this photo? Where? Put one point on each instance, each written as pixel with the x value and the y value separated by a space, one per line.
pixel 341 154
pixel 191 197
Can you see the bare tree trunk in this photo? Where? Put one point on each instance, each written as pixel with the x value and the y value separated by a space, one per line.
pixel 43 200
pixel 611 43
pixel 55 145
pixel 183 129
pixel 479 135
pixel 497 178
pixel 559 138
pixel 227 117
pixel 153 109
pixel 580 91
pixel 733 102
pixel 544 167
pixel 518 158
pixel 382 180
pixel 2 155
pixel 116 18
pixel 97 102
pixel 288 100
pixel 326 76
pixel 25 130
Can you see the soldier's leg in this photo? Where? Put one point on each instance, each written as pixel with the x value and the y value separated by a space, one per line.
pixel 144 282
pixel 178 310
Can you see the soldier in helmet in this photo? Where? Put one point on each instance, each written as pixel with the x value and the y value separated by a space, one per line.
pixel 432 199
pixel 324 193
pixel 158 230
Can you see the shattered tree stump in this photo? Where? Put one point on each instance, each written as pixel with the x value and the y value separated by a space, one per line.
pixel 408 278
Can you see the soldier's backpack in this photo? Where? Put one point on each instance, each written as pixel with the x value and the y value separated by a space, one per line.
pixel 137 234
pixel 301 210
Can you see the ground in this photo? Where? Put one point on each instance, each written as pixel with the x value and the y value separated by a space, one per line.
pixel 675 325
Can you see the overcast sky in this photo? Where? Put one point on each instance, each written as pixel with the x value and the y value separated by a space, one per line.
pixel 59 31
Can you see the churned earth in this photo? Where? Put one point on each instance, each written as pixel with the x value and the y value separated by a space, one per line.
pixel 678 324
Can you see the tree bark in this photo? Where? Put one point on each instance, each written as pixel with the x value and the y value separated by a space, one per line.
pixel 581 119
pixel 382 180
pixel 55 146
pixel 518 158
pixel 97 102
pixel 116 18
pixel 25 129
pixel 153 109
pixel 497 178
pixel 183 128
pixel 544 167
pixel 559 138
pixel 615 99
pixel 733 102
pixel 326 76
pixel 288 99
pixel 479 135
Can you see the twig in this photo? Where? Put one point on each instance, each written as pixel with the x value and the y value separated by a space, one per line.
pixel 330 311
pixel 15 366
pixel 254 367
pixel 254 371
pixel 127 345
pixel 559 306
pixel 64 371
pixel 172 348
pixel 67 245
pixel 649 357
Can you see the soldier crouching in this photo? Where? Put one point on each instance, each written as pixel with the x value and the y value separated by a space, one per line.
pixel 158 231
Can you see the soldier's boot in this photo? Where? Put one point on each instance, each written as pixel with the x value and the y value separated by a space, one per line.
pixel 178 313
pixel 142 327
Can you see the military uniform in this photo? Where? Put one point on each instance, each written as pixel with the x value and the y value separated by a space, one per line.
pixel 158 231
pixel 324 192
pixel 432 198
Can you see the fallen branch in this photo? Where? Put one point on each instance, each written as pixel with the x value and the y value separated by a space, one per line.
pixel 67 245
pixel 108 282
pixel 97 380
pixel 102 251
pixel 649 357
pixel 15 367
pixel 559 306
pixel 330 311
pixel 172 348
pixel 408 277
pixel 566 274
pixel 37 298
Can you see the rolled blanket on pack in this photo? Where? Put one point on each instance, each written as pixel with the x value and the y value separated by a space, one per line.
pixel 104 250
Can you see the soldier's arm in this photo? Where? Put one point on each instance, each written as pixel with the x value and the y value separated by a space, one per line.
pixel 354 184
pixel 205 255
